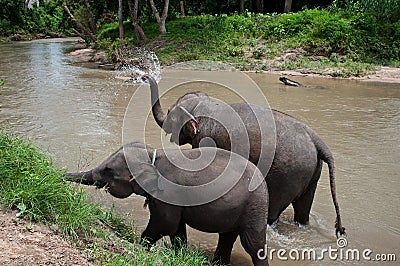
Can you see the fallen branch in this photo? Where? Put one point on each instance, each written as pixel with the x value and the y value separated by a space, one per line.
pixel 289 82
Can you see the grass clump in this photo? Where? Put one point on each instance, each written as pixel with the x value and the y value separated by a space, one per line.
pixel 31 184
pixel 162 255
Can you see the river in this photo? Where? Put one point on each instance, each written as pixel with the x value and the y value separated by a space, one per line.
pixel 76 115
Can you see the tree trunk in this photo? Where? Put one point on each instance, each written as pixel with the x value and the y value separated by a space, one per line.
pixel 160 20
pixel 83 30
pixel 120 21
pixel 92 22
pixel 133 10
pixel 182 5
pixel 241 7
pixel 259 6
pixel 288 6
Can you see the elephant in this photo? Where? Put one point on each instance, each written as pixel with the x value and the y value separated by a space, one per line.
pixel 299 152
pixel 231 207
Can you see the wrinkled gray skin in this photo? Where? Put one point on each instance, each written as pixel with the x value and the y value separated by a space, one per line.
pixel 229 215
pixel 296 167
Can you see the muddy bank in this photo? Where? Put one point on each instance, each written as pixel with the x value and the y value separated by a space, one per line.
pixel 382 74
pixel 23 243
pixel 98 59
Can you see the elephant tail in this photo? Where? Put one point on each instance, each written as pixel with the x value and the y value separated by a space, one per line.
pixel 325 154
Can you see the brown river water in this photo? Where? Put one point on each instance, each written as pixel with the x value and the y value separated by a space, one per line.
pixel 76 115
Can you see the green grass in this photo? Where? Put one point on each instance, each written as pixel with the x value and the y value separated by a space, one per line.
pixel 162 256
pixel 32 186
pixel 352 42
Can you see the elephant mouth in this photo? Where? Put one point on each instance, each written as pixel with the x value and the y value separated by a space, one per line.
pixel 101 184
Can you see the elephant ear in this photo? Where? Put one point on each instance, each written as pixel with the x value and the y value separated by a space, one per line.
pixel 149 180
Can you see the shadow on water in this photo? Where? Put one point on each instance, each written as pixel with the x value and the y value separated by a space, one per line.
pixel 76 115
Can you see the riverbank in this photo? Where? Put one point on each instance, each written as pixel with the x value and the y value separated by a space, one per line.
pixel 26 243
pixel 98 58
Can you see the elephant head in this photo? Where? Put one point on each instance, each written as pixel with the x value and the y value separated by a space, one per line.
pixel 126 171
pixel 180 121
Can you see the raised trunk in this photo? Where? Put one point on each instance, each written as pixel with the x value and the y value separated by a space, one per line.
pixel 157 111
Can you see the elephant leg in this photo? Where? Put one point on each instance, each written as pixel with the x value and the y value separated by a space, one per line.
pixel 164 221
pixel 302 206
pixel 179 238
pixel 150 236
pixel 274 213
pixel 253 241
pixel 223 252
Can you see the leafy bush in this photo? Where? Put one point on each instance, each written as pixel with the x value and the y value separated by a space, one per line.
pixel 382 10
pixel 357 36
pixel 48 17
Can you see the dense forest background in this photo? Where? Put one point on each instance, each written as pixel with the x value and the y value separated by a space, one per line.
pixel 235 31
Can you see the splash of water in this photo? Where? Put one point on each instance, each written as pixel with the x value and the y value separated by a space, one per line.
pixel 288 234
pixel 136 62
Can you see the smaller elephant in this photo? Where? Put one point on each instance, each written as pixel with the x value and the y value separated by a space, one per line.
pixel 216 191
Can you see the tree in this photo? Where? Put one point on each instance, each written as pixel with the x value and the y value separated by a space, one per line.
pixel 259 5
pixel 85 33
pixel 133 10
pixel 241 7
pixel 288 6
pixel 120 20
pixel 160 20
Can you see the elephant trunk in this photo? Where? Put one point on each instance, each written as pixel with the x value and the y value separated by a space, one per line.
pixel 85 178
pixel 157 111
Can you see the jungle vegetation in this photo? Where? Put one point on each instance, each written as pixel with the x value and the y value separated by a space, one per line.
pixel 349 35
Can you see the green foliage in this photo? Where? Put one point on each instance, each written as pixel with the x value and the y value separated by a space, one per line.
pixel 318 32
pixel 382 10
pixel 333 33
pixel 111 30
pixel 11 16
pixel 47 18
pixel 162 255
pixel 31 184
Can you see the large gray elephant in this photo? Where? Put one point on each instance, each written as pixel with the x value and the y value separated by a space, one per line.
pixel 299 152
pixel 218 197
